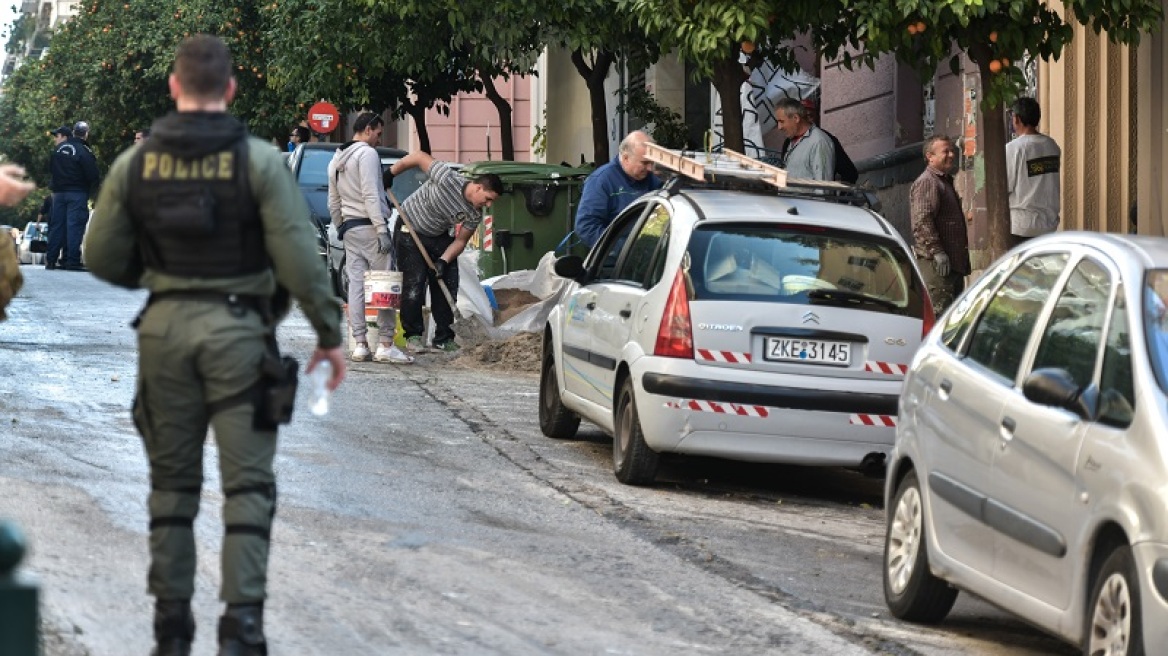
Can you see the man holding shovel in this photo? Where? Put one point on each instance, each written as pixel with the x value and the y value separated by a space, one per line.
pixel 440 218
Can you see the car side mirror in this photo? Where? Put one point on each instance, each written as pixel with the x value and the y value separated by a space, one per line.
pixel 570 267
pixel 1055 387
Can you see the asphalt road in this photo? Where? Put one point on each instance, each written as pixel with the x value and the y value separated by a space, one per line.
pixel 426 514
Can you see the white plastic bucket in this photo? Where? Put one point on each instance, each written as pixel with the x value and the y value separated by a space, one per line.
pixel 383 290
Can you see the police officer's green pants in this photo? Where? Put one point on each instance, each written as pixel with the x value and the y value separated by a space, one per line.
pixel 194 354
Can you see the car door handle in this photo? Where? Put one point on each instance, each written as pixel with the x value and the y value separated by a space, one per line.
pixel 946 388
pixel 1007 432
pixel 591 305
pixel 626 313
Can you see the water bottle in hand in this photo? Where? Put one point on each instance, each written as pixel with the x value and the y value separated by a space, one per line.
pixel 319 390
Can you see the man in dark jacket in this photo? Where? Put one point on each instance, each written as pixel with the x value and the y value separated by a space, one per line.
pixel 73 171
pixel 614 186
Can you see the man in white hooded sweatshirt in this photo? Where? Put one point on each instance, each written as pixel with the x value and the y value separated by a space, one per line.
pixel 360 212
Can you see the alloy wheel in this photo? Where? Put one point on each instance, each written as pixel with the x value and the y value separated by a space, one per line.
pixel 904 540
pixel 1112 618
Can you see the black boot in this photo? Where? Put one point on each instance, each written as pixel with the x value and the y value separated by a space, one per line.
pixel 174 628
pixel 241 631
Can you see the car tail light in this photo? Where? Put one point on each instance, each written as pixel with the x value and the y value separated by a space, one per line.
pixel 929 317
pixel 675 336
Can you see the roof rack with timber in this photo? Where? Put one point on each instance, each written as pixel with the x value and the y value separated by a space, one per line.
pixel 732 169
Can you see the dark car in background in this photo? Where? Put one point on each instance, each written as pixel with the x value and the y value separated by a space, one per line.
pixel 309 164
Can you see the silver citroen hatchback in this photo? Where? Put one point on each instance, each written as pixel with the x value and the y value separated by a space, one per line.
pixel 1031 459
pixel 749 324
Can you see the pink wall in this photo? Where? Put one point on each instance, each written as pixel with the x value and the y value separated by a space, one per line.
pixel 462 136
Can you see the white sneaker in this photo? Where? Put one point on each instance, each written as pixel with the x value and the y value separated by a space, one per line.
pixel 360 353
pixel 392 354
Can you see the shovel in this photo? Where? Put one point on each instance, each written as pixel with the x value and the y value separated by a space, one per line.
pixel 462 327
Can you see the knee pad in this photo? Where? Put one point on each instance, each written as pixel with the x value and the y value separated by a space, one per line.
pixel 249 509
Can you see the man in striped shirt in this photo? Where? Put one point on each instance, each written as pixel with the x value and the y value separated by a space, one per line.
pixel 444 213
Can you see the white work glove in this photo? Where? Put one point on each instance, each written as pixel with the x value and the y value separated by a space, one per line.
pixel 384 242
pixel 941 264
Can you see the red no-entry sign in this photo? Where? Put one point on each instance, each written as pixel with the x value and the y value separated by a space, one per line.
pixel 323 117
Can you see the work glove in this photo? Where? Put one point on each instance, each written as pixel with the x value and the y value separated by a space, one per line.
pixel 384 242
pixel 440 267
pixel 386 179
pixel 941 264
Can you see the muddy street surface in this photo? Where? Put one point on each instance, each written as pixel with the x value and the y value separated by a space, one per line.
pixel 426 514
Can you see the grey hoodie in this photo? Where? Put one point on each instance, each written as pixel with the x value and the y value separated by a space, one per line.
pixel 355 186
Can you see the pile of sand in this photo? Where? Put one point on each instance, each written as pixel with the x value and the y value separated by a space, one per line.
pixel 521 352
pixel 511 302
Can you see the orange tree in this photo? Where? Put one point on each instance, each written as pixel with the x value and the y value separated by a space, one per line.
pixel 994 34
pixel 710 34
pixel 109 66
pixel 368 55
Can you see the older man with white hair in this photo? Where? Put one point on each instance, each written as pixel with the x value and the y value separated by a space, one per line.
pixel 612 187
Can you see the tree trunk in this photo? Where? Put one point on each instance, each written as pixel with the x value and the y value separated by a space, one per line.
pixel 594 79
pixel 728 79
pixel 418 112
pixel 504 109
pixel 994 150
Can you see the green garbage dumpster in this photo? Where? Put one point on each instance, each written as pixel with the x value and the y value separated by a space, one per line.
pixel 534 214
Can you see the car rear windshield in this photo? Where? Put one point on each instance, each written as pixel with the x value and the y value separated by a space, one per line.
pixel 804 266
pixel 314 167
pixel 314 173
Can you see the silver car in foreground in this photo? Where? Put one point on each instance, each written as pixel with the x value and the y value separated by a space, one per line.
pixel 1031 460
pixel 751 325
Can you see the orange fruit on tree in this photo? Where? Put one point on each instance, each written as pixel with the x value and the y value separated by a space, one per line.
pixel 748 47
pixel 993 37
pixel 920 27
pixel 1006 63
pixel 912 28
pixel 995 66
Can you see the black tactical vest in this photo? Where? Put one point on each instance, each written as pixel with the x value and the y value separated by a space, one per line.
pixel 195 215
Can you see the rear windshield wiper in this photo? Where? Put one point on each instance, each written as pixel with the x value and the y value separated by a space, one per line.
pixel 844 297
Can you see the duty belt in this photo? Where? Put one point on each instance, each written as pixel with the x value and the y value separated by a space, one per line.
pixel 236 303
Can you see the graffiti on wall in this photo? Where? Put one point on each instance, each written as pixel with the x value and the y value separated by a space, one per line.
pixel 765 87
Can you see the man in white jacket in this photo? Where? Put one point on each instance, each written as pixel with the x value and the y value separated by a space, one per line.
pixel 1032 175
pixel 360 212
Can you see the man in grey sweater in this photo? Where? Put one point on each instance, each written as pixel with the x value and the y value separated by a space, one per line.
pixel 360 212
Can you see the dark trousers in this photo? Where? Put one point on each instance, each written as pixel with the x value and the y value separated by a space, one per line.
pixel 417 277
pixel 67 223
pixel 56 236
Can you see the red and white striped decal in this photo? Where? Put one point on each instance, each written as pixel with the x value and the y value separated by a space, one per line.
pixel 873 420
pixel 488 233
pixel 720 408
pixel 723 356
pixel 885 368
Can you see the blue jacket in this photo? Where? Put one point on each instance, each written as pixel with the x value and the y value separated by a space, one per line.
pixel 606 192
pixel 73 167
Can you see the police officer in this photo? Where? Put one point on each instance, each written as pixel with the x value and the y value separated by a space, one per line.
pixel 73 170
pixel 210 221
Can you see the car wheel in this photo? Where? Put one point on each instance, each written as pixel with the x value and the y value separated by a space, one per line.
pixel 910 589
pixel 633 462
pixel 1113 618
pixel 555 420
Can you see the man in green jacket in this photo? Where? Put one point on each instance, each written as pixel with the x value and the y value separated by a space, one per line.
pixel 210 221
